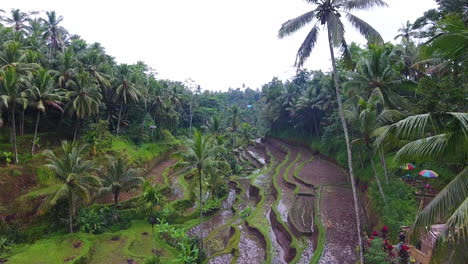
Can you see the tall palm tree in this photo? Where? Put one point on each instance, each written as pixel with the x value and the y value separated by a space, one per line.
pixel 328 13
pixel 120 177
pixel 200 155
pixel 43 94
pixel 368 119
pixel 74 173
pixel 67 68
pixel 406 32
pixel 125 91
pixel 17 19
pixel 12 54
pixel 54 33
pixel 12 95
pixel 213 125
pixel 84 98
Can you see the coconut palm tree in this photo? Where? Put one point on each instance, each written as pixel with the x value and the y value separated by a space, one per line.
pixel 120 177
pixel 85 97
pixel 125 91
pixel 74 173
pixel 406 32
pixel 329 13
pixel 67 68
pixel 200 155
pixel 54 33
pixel 43 94
pixel 368 119
pixel 213 125
pixel 375 74
pixel 12 95
pixel 94 62
pixel 150 200
pixel 12 54
pixel 17 19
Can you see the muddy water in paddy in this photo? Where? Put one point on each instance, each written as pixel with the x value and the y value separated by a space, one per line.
pixel 219 219
pixel 251 246
pixel 279 238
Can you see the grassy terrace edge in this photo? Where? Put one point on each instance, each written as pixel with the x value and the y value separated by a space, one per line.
pixel 257 218
pixel 299 247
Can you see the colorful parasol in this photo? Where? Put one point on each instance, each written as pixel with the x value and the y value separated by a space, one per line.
pixel 429 174
pixel 408 166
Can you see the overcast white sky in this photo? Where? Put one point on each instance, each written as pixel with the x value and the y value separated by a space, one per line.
pixel 217 43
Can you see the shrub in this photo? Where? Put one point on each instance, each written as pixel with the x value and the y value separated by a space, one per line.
pixel 212 205
pixel 98 220
pixel 45 176
pixel 246 212
pixel 375 254
pixel 401 208
pixel 152 260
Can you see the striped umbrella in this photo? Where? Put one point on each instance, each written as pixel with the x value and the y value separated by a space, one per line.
pixel 408 166
pixel 429 174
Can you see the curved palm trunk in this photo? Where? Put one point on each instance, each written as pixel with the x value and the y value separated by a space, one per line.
pixel 201 206
pixel 35 132
pixel 375 174
pixel 384 164
pixel 13 131
pixel 22 123
pixel 317 133
pixel 76 128
pixel 118 121
pixel 348 145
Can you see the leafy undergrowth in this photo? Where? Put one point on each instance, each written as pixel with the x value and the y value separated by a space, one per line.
pixel 132 243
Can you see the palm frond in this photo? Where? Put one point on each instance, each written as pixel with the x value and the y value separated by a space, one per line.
pixel 362 4
pixel 292 25
pixel 306 48
pixel 449 205
pixel 364 28
pixel 425 148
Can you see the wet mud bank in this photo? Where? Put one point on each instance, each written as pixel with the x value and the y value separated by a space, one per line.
pixel 283 238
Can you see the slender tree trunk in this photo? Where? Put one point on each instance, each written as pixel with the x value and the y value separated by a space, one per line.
pixel 13 130
pixel 70 210
pixel 76 128
pixel 315 125
pixel 348 145
pixel 116 203
pixel 35 131
pixel 201 206
pixel 384 164
pixel 375 174
pixel 190 118
pixel 154 240
pixel 22 123
pixel 118 121
pixel 360 158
